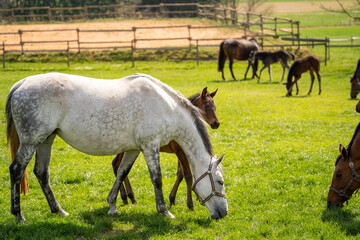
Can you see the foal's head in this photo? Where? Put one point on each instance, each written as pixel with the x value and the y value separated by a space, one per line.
pixel 206 104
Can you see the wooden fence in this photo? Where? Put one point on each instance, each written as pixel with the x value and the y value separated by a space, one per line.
pixel 253 22
pixel 327 43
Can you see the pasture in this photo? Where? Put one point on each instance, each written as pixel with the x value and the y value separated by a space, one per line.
pixel 280 154
pixel 279 160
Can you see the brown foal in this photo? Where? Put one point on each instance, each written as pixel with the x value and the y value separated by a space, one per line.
pixel 206 104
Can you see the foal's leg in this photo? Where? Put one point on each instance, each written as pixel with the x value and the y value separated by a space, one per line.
pixel 17 169
pixel 124 168
pixel 41 171
pixel 312 80
pixel 284 66
pixel 179 178
pixel 128 192
pixel 269 67
pixel 151 154
pixel 260 73
pixel 184 170
pixel 319 80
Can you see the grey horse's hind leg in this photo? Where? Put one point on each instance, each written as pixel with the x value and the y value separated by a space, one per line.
pixel 41 171
pixel 151 155
pixel 123 170
pixel 17 169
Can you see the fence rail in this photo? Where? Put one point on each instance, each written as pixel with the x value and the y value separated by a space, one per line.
pixel 252 22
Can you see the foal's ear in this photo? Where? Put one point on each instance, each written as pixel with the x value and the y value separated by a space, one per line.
pixel 343 152
pixel 203 93
pixel 213 93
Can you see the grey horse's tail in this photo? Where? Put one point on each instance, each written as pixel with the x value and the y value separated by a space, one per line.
pixel 12 136
pixel 221 61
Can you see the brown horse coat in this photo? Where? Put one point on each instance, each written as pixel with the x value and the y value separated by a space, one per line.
pixel 236 49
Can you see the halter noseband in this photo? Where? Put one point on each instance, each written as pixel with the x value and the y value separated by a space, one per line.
pixel 213 191
pixel 354 176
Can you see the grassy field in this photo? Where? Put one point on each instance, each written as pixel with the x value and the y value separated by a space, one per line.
pixel 279 159
pixel 280 154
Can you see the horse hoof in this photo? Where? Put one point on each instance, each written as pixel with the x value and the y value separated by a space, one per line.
pixel 20 218
pixel 62 213
pixel 113 212
pixel 168 214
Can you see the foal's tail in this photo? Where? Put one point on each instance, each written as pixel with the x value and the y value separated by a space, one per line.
pixel 13 138
pixel 222 57
pixel 292 55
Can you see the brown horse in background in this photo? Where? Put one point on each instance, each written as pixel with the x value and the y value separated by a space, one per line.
pixel 206 104
pixel 269 58
pixel 236 49
pixel 346 178
pixel 299 66
pixel 355 83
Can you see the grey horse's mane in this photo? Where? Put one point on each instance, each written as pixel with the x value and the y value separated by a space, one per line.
pixel 194 111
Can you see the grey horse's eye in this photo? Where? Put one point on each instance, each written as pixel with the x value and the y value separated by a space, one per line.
pixel 221 182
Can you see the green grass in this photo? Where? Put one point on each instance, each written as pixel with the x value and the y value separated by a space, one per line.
pixel 280 154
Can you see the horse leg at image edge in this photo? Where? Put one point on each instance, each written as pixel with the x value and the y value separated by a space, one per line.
pixel 17 169
pixel 123 170
pixel 41 171
pixel 152 158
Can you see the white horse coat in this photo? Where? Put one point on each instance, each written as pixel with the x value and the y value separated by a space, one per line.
pixel 106 117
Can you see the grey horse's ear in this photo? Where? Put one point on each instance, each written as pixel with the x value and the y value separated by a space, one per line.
pixel 218 161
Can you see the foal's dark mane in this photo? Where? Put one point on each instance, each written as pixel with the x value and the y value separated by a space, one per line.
pixel 199 123
pixel 351 142
pixel 193 97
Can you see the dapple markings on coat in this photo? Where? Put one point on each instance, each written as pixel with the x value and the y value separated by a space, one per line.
pixel 105 117
pixel 206 104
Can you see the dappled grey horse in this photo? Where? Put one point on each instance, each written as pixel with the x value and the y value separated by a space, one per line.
pixel 106 117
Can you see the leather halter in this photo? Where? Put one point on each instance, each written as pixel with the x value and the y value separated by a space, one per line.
pixel 354 177
pixel 213 191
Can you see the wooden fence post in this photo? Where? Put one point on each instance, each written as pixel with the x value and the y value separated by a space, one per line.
pixel 197 52
pixel 132 54
pixel 78 38
pixel 3 54
pixel 49 14
pixel 21 41
pixel 189 35
pixel 68 54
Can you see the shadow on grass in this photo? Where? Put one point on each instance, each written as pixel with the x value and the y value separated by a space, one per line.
pixel 231 81
pixel 143 225
pixel 345 219
pixel 97 224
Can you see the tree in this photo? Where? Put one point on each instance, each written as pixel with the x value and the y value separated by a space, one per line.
pixel 352 11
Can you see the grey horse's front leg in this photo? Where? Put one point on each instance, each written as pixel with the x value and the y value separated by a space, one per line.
pixel 152 158
pixel 123 170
